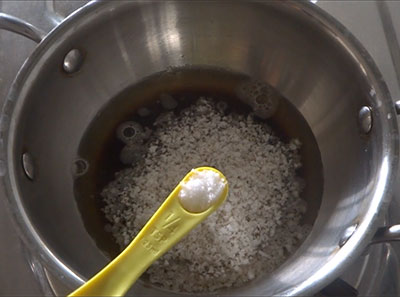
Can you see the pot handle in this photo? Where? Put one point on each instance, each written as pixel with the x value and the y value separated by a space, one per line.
pixel 387 234
pixel 16 25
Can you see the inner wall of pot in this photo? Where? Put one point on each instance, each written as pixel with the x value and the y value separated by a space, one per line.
pixel 125 42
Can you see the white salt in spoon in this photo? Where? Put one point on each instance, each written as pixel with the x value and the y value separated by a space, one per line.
pixel 199 194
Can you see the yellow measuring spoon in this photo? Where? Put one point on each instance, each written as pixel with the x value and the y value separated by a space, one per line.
pixel 185 207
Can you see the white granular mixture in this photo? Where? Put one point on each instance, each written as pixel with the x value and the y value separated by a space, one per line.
pixel 256 228
pixel 201 191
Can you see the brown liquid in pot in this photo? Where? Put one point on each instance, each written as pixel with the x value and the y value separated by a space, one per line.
pixel 101 148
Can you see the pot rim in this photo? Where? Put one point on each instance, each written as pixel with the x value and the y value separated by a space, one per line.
pixel 351 250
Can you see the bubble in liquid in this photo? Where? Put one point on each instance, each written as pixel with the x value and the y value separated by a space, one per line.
pixel 262 99
pixel 147 133
pixel 168 102
pixel 131 153
pixel 144 112
pixel 164 118
pixel 260 96
pixel 221 106
pixel 129 132
pixel 80 167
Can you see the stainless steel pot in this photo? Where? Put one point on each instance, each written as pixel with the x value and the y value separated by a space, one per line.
pixel 106 47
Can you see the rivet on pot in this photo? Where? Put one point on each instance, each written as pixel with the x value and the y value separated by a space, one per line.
pixel 365 119
pixel 397 106
pixel 80 167
pixel 347 234
pixel 27 166
pixel 73 61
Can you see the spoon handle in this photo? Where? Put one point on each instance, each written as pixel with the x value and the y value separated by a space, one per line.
pixel 170 223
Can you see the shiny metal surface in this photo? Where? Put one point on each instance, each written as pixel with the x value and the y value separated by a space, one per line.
pixel 397 106
pixel 27 165
pixel 365 119
pixel 21 27
pixel 387 234
pixel 73 61
pixel 391 36
pixel 347 234
pixel 358 200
